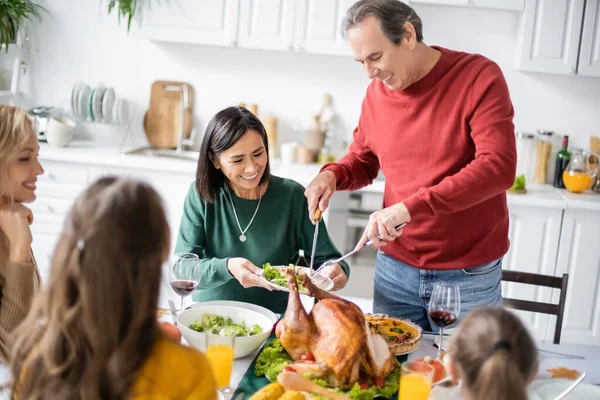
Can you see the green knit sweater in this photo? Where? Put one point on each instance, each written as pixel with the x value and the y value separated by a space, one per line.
pixel 280 229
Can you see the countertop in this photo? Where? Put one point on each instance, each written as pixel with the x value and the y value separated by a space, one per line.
pixel 545 196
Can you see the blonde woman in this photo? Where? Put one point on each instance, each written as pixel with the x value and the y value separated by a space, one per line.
pixel 493 355
pixel 19 168
pixel 92 332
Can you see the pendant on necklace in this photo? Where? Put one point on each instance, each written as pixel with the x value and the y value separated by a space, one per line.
pixel 242 238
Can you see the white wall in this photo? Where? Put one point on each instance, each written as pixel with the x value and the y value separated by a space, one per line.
pixel 88 45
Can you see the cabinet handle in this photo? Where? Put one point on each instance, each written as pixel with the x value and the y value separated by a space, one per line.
pixel 49 209
pixel 49 175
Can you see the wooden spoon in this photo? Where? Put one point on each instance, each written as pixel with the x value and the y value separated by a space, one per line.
pixel 294 381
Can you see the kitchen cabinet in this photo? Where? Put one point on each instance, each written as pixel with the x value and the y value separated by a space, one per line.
pixel 579 256
pixel 212 22
pixel 266 24
pixel 534 235
pixel 589 56
pixel 318 27
pixel 560 36
pixel 511 5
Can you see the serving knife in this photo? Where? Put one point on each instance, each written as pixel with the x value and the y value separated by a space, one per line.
pixel 317 216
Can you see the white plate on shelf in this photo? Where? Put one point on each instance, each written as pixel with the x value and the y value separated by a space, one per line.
pixel 97 103
pixel 325 283
pixel 83 102
pixel 548 389
pixel 74 98
pixel 108 102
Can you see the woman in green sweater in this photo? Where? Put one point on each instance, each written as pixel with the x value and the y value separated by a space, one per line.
pixel 237 216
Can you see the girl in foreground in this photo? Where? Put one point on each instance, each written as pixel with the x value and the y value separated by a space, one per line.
pixel 493 355
pixel 92 332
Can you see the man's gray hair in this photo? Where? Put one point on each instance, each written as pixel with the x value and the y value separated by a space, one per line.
pixel 391 14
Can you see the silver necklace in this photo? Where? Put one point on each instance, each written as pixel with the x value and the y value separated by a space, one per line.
pixel 243 235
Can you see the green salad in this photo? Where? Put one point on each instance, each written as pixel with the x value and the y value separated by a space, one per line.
pixel 224 326
pixel 277 275
pixel 273 359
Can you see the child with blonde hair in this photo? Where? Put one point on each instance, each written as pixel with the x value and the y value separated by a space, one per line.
pixel 493 355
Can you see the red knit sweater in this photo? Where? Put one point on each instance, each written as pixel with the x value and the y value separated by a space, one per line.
pixel 447 149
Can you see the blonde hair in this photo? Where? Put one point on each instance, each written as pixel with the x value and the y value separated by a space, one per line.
pixel 91 330
pixel 495 354
pixel 14 133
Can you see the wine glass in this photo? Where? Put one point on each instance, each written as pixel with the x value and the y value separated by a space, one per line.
pixel 444 307
pixel 184 275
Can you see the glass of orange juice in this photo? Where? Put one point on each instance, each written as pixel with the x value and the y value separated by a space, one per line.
pixel 415 381
pixel 219 351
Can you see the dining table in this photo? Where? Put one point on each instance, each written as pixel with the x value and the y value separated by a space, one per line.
pixel 550 356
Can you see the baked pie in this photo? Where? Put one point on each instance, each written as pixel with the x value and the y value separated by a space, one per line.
pixel 402 335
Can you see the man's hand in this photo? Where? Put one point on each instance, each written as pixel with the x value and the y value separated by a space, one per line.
pixel 336 274
pixel 15 219
pixel 383 223
pixel 247 273
pixel 319 192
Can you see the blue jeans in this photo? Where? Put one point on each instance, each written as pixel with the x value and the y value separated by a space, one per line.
pixel 404 291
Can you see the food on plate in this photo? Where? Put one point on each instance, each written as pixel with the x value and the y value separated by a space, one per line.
pixel 401 334
pixel 170 330
pixel 224 326
pixel 565 373
pixel 331 345
pixel 439 369
pixel 292 395
pixel 272 391
pixel 277 275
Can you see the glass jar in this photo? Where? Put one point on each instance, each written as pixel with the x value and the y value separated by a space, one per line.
pixel 543 150
pixel 525 155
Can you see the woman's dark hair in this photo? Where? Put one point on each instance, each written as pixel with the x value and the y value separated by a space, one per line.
pixel 223 131
pixel 391 14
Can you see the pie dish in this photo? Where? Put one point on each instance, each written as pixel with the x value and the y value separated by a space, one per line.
pixel 402 335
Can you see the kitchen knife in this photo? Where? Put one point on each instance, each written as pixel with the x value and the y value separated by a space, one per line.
pixel 317 217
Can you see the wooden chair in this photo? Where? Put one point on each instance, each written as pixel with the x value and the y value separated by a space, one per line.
pixel 534 306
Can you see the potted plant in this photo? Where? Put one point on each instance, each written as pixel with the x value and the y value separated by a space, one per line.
pixel 14 16
pixel 126 9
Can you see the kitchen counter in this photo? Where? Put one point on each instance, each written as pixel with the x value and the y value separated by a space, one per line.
pixel 88 153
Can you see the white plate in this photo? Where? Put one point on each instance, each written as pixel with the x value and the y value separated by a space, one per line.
pixel 83 102
pixel 97 103
pixel 108 102
pixel 325 283
pixel 548 389
pixel 74 97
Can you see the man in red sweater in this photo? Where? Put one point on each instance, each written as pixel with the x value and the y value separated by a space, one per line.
pixel 439 124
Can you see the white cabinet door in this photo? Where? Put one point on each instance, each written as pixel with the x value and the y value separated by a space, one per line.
pixel 318 27
pixel 549 37
pixel 534 237
pixel 211 22
pixel 512 5
pixel 589 55
pixel 579 256
pixel 266 24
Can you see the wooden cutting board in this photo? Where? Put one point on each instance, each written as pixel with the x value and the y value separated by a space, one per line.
pixel 161 122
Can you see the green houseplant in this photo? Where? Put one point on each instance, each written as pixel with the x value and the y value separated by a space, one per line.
pixel 126 9
pixel 14 16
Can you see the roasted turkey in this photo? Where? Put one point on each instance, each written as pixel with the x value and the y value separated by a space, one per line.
pixel 336 334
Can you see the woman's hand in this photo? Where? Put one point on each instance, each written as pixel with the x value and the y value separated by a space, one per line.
pixel 336 274
pixel 383 223
pixel 246 273
pixel 15 219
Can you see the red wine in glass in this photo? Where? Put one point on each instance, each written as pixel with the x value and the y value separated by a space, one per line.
pixel 442 319
pixel 444 307
pixel 184 287
pixel 184 275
